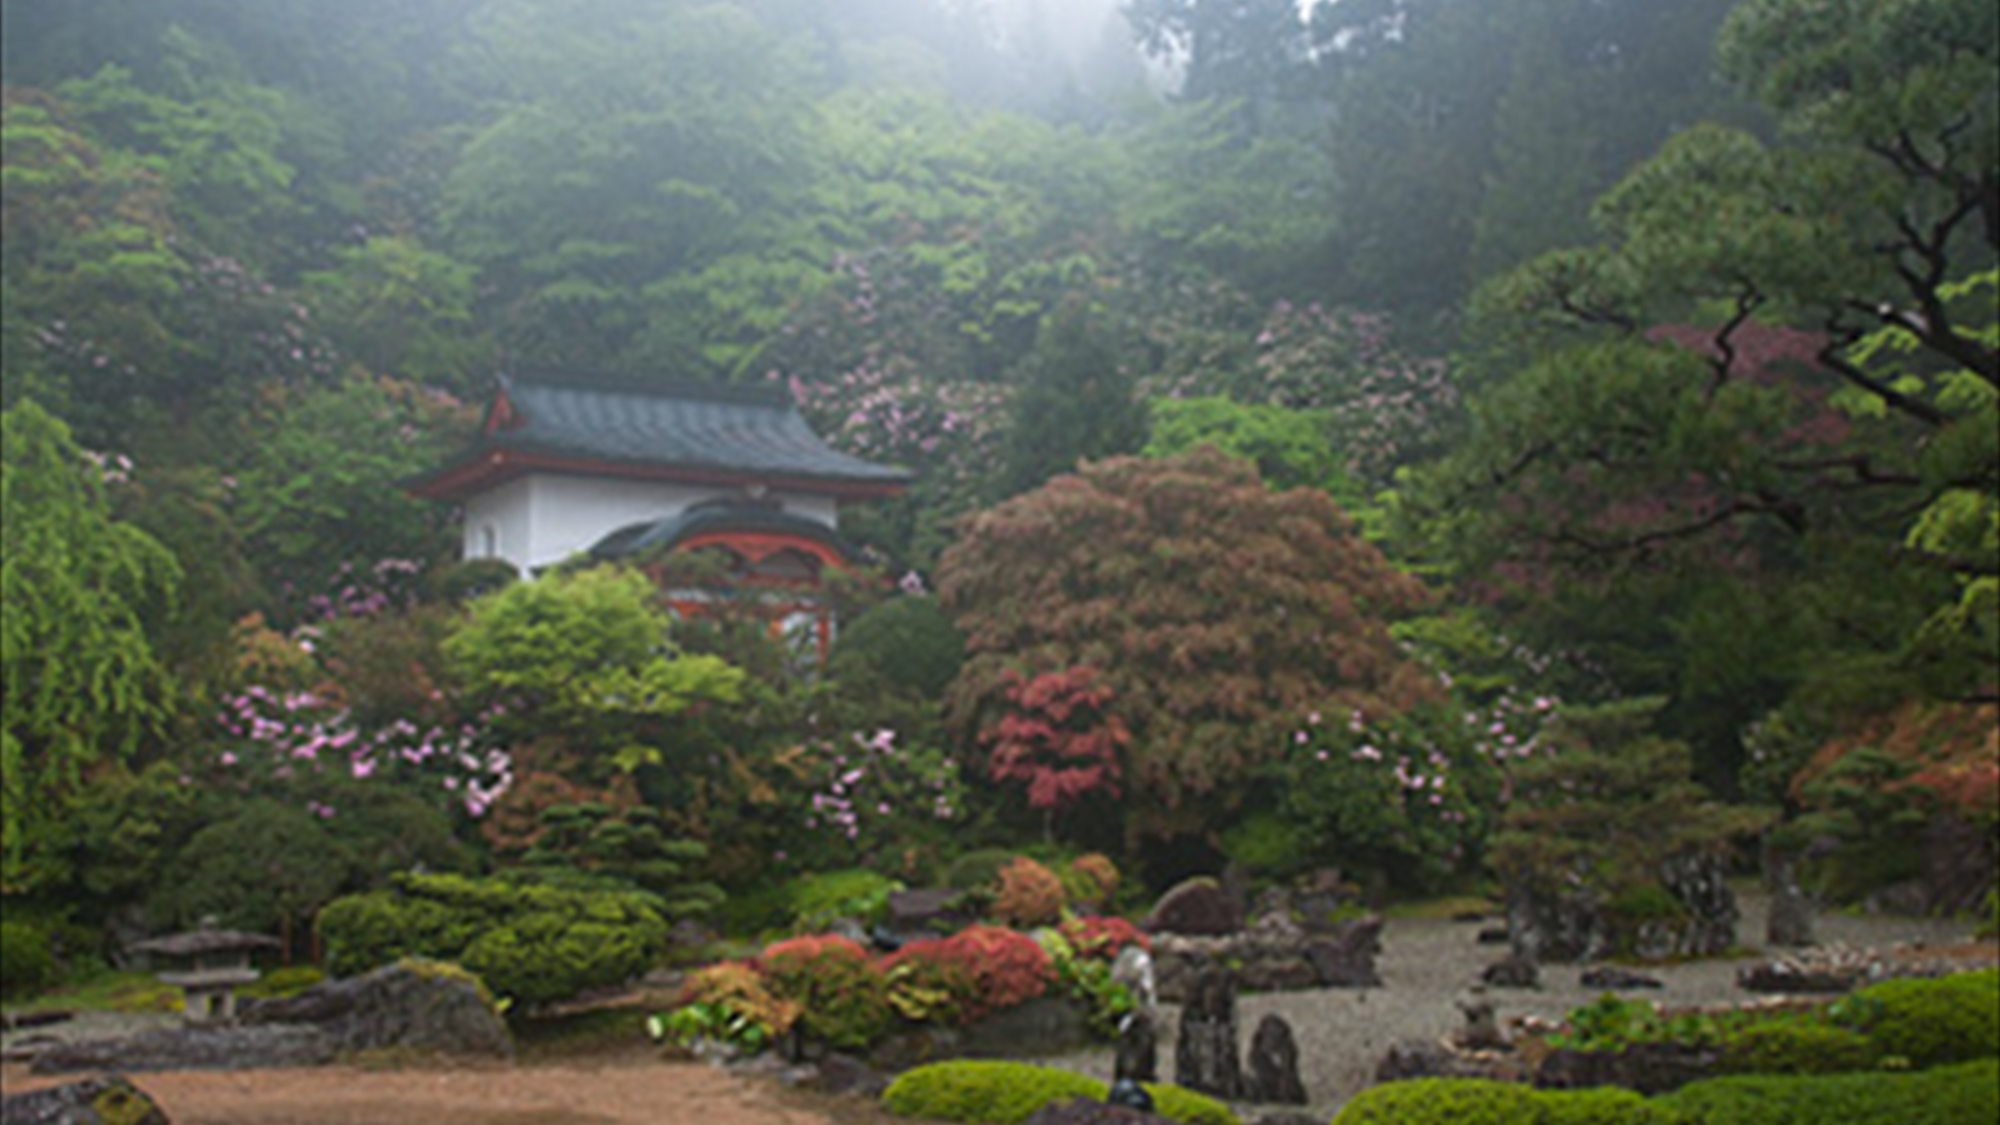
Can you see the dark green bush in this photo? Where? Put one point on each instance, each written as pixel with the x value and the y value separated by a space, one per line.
pixel 533 944
pixel 1444 1101
pixel 26 965
pixel 1007 1093
pixel 288 981
pixel 1930 1021
pixel 1797 1047
pixel 978 870
pixel 1963 1094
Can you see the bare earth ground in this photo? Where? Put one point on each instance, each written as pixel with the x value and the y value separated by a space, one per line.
pixel 1342 1034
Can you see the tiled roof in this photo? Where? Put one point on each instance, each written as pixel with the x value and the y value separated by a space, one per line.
pixel 658 425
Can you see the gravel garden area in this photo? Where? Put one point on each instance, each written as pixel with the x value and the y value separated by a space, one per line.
pixel 1426 966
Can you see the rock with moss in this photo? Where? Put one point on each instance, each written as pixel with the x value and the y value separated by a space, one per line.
pixel 107 1099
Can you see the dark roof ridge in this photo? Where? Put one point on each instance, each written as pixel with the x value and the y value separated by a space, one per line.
pixel 634 383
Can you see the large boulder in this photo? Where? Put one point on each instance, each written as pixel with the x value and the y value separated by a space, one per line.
pixel 1199 906
pixel 106 1099
pixel 412 1005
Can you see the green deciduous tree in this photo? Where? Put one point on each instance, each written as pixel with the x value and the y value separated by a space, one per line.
pixel 1214 610
pixel 81 591
pixel 588 656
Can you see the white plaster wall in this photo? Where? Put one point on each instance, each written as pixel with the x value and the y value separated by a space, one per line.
pixel 504 514
pixel 543 518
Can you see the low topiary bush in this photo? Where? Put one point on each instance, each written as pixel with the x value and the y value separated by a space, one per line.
pixel 842 994
pixel 978 870
pixel 1443 1101
pixel 1029 895
pixel 1007 1093
pixel 1797 1047
pixel 1950 1095
pixel 1929 1022
pixel 26 965
pixel 533 944
pixel 1603 1106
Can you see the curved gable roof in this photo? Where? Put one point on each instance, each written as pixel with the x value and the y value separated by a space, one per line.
pixel 588 422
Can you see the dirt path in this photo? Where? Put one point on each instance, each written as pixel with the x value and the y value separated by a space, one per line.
pixel 641 1091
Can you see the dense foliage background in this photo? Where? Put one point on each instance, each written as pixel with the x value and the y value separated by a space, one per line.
pixel 1651 349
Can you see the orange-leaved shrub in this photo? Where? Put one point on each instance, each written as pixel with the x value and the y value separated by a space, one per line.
pixel 1009 966
pixel 739 988
pixel 934 981
pixel 1029 894
pixel 1101 938
pixel 1093 878
pixel 843 993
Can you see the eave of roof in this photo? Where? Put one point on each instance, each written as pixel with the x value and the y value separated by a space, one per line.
pixel 594 424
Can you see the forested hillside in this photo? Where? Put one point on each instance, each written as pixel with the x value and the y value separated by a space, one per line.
pixel 1650 347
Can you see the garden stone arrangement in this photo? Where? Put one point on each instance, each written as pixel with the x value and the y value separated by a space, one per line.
pixel 411 1007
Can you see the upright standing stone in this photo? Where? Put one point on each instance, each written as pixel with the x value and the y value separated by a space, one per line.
pixel 1205 1057
pixel 1138 1056
pixel 1274 1063
pixel 1790 922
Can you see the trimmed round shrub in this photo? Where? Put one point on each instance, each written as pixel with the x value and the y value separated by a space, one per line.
pixel 1009 967
pixel 1007 1093
pixel 1029 895
pixel 1443 1101
pixel 1948 1095
pixel 1791 1047
pixel 978 870
pixel 1930 1021
pixel 844 997
pixel 26 964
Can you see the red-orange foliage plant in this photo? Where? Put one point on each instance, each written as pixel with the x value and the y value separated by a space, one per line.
pixel 1101 938
pixel 739 988
pixel 1953 749
pixel 843 994
pixel 1057 738
pixel 933 981
pixel 1029 894
pixel 1100 872
pixel 1214 610
pixel 1008 966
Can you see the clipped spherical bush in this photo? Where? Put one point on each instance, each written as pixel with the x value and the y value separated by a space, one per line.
pixel 1788 1047
pixel 1007 1093
pixel 1931 1021
pixel 1029 895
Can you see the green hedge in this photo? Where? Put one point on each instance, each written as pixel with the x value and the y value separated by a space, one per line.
pixel 1932 1021
pixel 533 944
pixel 1963 1094
pixel 1007 1093
pixel 1959 1094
